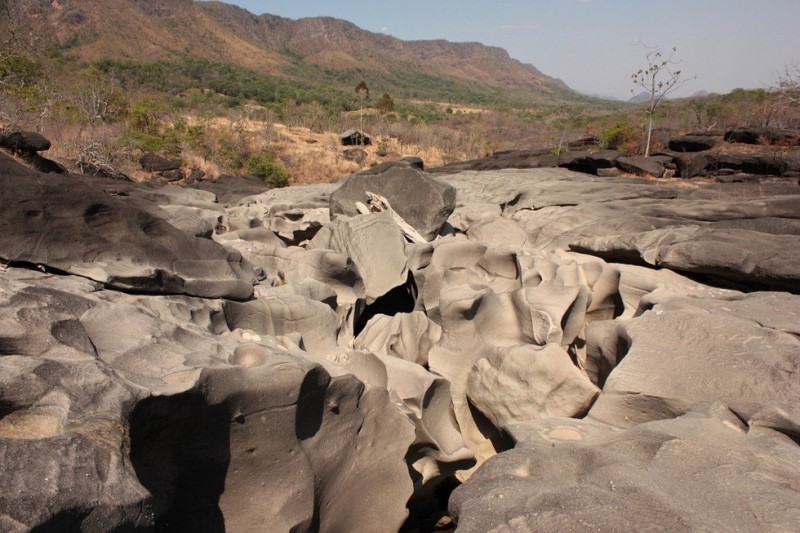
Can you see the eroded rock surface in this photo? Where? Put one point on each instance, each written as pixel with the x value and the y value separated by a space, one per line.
pixel 114 405
pixel 702 471
pixel 579 351
pixel 423 201
pixel 60 223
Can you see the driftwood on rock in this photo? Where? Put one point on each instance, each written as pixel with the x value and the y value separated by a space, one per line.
pixel 377 204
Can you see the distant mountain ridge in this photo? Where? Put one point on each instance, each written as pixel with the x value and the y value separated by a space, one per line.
pixel 337 44
pixel 169 30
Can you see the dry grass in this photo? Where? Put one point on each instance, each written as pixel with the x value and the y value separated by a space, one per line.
pixel 316 157
pixel 308 156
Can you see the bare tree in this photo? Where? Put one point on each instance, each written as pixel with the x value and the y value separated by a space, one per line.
pixel 784 100
pixel 658 79
pixel 788 84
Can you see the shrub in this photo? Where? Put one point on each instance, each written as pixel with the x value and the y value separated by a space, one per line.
pixel 385 104
pixel 231 149
pixel 265 167
pixel 146 116
pixel 167 143
pixel 621 137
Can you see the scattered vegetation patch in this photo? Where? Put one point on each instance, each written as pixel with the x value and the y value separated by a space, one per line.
pixel 270 171
pixel 622 137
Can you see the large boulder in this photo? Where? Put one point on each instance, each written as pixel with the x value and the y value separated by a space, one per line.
pixel 706 471
pixel 527 382
pixel 692 143
pixel 482 324
pixel 27 144
pixel 152 162
pixel 763 135
pixel 375 245
pixel 421 200
pixel 24 142
pixel 729 351
pixel 276 442
pixel 740 256
pixel 690 164
pixel 589 161
pixel 61 223
pixel 766 164
pixel 649 166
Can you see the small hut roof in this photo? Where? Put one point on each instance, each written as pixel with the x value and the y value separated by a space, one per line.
pixel 353 131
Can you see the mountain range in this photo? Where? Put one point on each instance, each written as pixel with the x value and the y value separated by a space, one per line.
pixel 312 48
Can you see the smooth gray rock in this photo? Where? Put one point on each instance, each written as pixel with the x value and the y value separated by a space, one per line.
pixel 376 247
pixel 692 143
pixel 277 316
pixel 716 352
pixel 479 323
pixel 497 232
pixel 290 431
pixel 649 166
pixel 60 414
pixel 423 201
pixel 701 472
pixel 67 482
pixel 284 265
pixel 408 336
pixel 744 257
pixel 202 413
pixel 145 412
pixel 527 382
pixel 61 223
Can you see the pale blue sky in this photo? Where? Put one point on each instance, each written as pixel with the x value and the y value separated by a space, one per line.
pixel 589 43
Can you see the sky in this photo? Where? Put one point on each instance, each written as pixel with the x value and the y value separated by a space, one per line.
pixel 592 45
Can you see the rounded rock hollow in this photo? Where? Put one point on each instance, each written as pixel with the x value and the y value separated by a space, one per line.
pixel 249 355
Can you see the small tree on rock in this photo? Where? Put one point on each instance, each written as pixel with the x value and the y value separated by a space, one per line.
pixel 658 79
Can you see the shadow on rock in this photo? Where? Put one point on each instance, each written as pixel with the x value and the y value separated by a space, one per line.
pixel 180 450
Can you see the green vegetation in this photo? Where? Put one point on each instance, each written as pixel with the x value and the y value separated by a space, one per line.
pixel 236 84
pixel 270 171
pixel 22 79
pixel 621 137
pixel 19 74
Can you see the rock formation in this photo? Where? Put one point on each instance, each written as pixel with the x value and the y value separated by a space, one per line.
pixel 571 351
pixel 706 154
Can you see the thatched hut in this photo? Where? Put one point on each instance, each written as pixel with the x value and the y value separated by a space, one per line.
pixel 354 137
